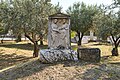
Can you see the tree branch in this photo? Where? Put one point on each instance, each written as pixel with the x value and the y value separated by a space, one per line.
pixel 117 38
pixel 118 41
pixel 113 38
pixel 29 38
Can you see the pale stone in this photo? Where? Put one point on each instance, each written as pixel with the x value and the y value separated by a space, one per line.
pixel 58 34
pixel 53 55
pixel 58 40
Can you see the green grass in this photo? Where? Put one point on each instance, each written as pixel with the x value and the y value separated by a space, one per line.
pixel 73 33
pixel 15 53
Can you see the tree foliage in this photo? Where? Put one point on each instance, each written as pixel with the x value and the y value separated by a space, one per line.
pixel 81 18
pixel 28 17
pixel 108 24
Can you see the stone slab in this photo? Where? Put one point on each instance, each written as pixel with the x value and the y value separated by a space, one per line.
pixel 54 55
pixel 89 54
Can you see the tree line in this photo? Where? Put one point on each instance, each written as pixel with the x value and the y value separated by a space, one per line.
pixel 30 17
pixel 103 20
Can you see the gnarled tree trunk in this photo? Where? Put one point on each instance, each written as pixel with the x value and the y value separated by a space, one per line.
pixel 41 42
pixel 36 49
pixel 115 52
pixel 36 46
pixel 80 36
pixel 116 44
pixel 41 39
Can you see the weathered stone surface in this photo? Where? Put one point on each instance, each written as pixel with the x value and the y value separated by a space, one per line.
pixel 58 40
pixel 89 54
pixel 53 55
pixel 58 31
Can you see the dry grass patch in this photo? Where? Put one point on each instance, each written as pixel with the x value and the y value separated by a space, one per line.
pixel 24 67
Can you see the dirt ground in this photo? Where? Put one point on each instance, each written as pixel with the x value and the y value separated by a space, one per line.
pixel 16 63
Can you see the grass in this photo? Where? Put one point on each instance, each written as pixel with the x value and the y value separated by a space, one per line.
pixel 16 63
pixel 105 52
pixel 12 53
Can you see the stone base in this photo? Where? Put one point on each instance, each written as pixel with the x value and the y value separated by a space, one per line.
pixel 89 54
pixel 54 55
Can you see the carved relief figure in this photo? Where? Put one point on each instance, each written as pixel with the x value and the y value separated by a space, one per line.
pixel 63 29
pixel 54 33
pixel 59 33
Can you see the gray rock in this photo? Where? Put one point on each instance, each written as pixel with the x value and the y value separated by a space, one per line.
pixel 89 54
pixel 54 55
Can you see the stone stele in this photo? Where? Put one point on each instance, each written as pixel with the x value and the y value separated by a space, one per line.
pixel 58 40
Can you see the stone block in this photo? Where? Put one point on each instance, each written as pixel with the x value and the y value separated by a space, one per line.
pixel 54 55
pixel 89 54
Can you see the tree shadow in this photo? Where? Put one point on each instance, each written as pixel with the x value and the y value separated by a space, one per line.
pixel 102 72
pixel 22 46
pixel 18 46
pixel 76 63
pixel 111 59
pixel 25 70
pixel 33 67
pixel 7 60
pixel 105 57
pixel 116 63
pixel 98 44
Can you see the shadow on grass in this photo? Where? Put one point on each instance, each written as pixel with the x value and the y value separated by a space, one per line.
pixel 105 57
pixel 102 72
pixel 116 63
pixel 27 69
pixel 22 46
pixel 33 68
pixel 7 60
pixel 98 44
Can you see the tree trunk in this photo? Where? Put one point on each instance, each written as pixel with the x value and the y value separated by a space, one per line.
pixel 2 41
pixel 41 42
pixel 80 38
pixel 18 38
pixel 36 46
pixel 116 44
pixel 41 39
pixel 36 49
pixel 115 52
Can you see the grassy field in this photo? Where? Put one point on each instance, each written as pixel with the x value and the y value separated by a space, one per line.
pixel 17 63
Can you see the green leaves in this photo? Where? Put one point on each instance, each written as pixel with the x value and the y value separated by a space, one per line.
pixel 26 16
pixel 81 16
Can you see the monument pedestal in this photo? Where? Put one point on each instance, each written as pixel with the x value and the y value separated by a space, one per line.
pixel 58 40
pixel 54 55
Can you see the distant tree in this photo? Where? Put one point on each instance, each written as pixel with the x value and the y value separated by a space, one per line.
pixel 29 17
pixel 3 15
pixel 81 18
pixel 108 24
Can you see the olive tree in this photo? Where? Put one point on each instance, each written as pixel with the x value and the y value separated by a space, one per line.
pixel 29 17
pixel 81 18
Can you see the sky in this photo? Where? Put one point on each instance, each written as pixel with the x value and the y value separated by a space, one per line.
pixel 66 3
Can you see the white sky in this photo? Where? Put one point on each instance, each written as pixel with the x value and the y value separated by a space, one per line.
pixel 66 3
